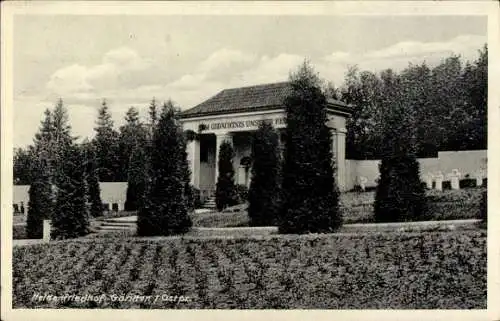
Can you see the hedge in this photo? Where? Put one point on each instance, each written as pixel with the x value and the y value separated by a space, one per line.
pixel 442 205
pixel 433 270
pixel 19 232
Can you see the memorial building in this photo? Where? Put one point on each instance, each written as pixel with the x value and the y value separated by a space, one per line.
pixel 232 115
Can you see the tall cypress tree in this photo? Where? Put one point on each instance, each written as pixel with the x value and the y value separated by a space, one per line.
pixel 263 195
pixel 225 190
pixel 137 178
pixel 400 195
pixel 40 201
pixel 310 195
pixel 164 211
pixel 133 139
pixel 71 213
pixel 92 177
pixel 40 205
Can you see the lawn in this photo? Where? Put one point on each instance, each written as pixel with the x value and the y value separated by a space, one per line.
pixel 433 270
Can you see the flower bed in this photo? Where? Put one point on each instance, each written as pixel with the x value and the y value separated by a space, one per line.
pixel 433 270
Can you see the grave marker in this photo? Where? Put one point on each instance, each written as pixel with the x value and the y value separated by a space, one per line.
pixel 47 226
pixel 362 183
pixel 428 180
pixel 439 181
pixel 455 179
pixel 479 178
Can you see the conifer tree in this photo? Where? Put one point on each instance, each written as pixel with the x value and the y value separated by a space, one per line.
pixel 106 142
pixel 133 141
pixel 164 211
pixel 40 204
pixel 94 190
pixel 188 188
pixel 264 192
pixel 71 213
pixel 400 195
pixel 310 195
pixel 61 137
pixel 153 113
pixel 61 128
pixel 137 178
pixel 45 135
pixel 130 135
pixel 225 190
pixel 23 161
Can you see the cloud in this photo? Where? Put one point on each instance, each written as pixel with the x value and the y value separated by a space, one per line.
pixel 119 68
pixel 121 55
pixel 226 59
pixel 269 69
pixel 188 82
pixel 71 79
pixel 219 66
pixel 338 56
pixel 460 44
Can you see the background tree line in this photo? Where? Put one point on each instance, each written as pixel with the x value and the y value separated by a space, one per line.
pixel 113 148
pixel 451 112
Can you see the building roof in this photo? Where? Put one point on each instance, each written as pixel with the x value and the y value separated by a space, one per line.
pixel 248 99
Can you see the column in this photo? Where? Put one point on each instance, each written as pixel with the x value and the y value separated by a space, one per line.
pixel 193 157
pixel 339 152
pixel 218 142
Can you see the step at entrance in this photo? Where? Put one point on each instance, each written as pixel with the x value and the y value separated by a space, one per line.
pixel 210 203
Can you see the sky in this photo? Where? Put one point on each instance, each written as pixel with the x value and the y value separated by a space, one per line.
pixel 128 60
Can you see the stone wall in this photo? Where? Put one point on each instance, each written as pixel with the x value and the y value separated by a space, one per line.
pixel 467 162
pixel 111 193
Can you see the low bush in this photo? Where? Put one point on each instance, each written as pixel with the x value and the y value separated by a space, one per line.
pixel 404 270
pixel 463 183
pixel 242 193
pixel 19 232
pixel 452 211
pixel 441 205
pixel 467 183
pixel 468 195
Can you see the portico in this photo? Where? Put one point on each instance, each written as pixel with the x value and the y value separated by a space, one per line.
pixel 232 115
